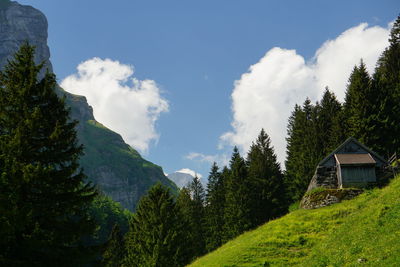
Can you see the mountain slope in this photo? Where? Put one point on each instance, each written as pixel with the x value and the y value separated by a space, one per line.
pixel 362 230
pixel 115 167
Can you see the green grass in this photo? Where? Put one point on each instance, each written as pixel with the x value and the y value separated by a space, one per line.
pixel 365 228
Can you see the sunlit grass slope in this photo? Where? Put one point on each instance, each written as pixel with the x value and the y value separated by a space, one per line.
pixel 365 230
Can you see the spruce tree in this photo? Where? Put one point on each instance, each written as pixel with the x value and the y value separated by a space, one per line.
pixel 198 216
pixel 383 121
pixel 185 205
pixel 357 104
pixel 268 199
pixel 190 202
pixel 237 213
pixel 328 130
pixel 302 151
pixel 43 195
pixel 293 180
pixel 157 237
pixel 215 202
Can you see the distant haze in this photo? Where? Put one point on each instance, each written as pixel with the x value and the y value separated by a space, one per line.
pixel 184 176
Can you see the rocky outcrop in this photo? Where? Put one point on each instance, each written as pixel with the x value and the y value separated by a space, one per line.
pixel 321 197
pixel 19 24
pixel 112 165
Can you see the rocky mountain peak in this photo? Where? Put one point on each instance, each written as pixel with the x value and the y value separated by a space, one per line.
pixel 19 24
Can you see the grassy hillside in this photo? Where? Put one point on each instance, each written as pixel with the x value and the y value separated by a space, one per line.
pixel 365 230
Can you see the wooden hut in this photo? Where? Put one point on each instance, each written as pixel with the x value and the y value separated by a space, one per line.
pixel 352 164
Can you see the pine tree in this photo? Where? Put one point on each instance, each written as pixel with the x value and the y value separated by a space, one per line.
pixel 215 202
pixel 237 199
pixel 43 196
pixel 268 199
pixel 157 237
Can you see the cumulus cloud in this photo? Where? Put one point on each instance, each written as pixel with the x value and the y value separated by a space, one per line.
pixel 265 95
pixel 121 102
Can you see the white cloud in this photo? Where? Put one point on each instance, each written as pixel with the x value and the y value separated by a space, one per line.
pixel 121 102
pixel 191 172
pixel 265 95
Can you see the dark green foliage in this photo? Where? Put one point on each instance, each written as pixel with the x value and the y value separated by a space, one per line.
pixel 197 218
pixel 215 200
pixel 328 125
pixel 43 198
pixel 383 119
pixel 313 132
pixel 301 150
pixel 107 214
pixel 157 236
pixel 115 251
pixel 190 202
pixel 266 181
pixel 357 103
pixel 237 212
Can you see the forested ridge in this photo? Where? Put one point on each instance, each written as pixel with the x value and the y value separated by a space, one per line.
pixel 50 215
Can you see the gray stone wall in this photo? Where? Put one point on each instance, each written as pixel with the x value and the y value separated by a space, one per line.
pixel 324 177
pixel 327 197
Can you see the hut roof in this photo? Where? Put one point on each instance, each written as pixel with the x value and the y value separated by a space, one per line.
pixel 351 139
pixel 355 159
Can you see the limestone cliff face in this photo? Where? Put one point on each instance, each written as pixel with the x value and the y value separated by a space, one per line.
pixel 20 24
pixel 111 164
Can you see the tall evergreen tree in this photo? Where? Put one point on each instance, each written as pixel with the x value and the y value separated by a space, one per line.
pixel 293 181
pixel 328 132
pixel 157 237
pixel 237 199
pixel 302 151
pixel 266 181
pixel 215 202
pixel 383 121
pixel 43 196
pixel 357 104
pixel 191 204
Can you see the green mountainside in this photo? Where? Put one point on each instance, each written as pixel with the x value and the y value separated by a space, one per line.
pixel 364 230
pixel 116 168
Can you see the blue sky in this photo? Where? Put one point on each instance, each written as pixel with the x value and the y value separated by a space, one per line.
pixel 194 51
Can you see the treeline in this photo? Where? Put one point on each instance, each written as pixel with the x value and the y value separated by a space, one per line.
pixel 50 215
pixel 165 231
